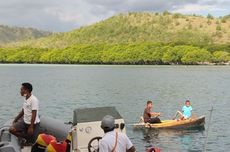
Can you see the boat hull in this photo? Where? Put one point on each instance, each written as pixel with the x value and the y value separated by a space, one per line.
pixel 192 123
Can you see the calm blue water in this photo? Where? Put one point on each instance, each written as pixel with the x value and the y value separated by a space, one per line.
pixel 62 88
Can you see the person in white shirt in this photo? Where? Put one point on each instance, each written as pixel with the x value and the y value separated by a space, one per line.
pixel 26 124
pixel 114 141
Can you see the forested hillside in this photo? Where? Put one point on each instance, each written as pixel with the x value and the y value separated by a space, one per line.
pixel 132 38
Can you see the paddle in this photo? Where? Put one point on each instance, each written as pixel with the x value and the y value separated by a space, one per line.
pixel 206 139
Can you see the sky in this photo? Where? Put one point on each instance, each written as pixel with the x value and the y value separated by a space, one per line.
pixel 66 15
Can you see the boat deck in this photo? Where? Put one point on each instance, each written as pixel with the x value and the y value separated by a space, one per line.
pixel 26 149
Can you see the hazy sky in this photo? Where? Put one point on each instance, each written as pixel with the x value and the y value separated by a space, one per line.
pixel 65 15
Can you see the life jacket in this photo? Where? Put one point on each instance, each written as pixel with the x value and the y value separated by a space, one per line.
pixel 42 142
pixel 68 138
pixel 55 146
pixel 68 141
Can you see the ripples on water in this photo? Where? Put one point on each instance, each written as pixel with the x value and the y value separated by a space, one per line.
pixel 62 88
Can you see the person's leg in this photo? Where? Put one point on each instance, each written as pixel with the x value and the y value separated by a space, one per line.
pixel 32 138
pixel 178 113
pixel 18 129
pixel 154 120
pixel 36 132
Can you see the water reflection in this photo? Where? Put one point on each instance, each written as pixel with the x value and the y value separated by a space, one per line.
pixel 173 140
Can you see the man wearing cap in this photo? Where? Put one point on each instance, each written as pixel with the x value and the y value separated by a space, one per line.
pixel 114 141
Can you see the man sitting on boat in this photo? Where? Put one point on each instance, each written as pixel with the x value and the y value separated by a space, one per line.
pixel 114 141
pixel 149 116
pixel 186 111
pixel 26 124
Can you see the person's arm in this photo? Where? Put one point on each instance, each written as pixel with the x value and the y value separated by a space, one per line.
pixel 129 145
pixel 18 116
pixel 31 127
pixel 34 106
pixel 183 108
pixel 155 114
pixel 151 114
pixel 132 149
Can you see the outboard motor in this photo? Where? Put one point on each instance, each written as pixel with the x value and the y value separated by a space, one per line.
pixel 8 142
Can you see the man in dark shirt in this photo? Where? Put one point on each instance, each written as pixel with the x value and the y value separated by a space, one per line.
pixel 150 117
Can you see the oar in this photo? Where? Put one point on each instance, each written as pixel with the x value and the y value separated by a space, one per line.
pixel 206 139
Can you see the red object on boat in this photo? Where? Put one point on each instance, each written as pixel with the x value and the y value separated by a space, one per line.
pixel 55 146
pixel 153 150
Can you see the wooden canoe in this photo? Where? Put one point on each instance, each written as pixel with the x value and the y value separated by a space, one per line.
pixel 175 124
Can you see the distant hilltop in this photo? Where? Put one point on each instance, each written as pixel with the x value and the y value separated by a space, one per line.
pixel 14 34
pixel 134 38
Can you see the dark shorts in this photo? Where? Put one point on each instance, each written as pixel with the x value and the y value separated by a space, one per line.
pixel 22 127
pixel 154 120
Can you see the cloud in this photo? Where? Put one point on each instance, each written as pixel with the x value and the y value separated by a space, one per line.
pixel 31 14
pixel 139 5
pixel 65 15
pixel 203 8
pixel 191 8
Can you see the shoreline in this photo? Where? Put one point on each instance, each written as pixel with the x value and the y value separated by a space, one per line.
pixel 89 64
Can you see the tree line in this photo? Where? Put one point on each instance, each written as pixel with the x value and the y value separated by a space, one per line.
pixel 129 53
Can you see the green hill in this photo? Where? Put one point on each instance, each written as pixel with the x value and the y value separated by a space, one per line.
pixel 14 34
pixel 132 38
pixel 143 27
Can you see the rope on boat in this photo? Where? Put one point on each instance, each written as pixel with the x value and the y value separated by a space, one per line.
pixel 206 139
